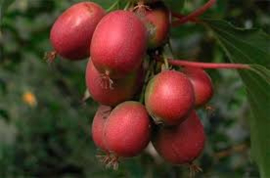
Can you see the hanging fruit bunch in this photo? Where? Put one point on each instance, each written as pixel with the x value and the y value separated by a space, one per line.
pixel 144 96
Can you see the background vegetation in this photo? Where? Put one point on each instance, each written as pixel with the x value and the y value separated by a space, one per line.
pixel 45 126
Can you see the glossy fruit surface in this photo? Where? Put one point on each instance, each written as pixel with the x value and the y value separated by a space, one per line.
pixel 169 97
pixel 118 44
pixel 128 129
pixel 110 92
pixel 183 143
pixel 202 84
pixel 98 126
pixel 157 21
pixel 72 32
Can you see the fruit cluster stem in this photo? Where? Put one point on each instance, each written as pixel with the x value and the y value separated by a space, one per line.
pixel 192 16
pixel 204 65
pixel 181 16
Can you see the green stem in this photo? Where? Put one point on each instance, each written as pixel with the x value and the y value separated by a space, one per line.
pixel 127 5
pixel 112 7
pixel 170 47
pixel 165 59
pixel 148 76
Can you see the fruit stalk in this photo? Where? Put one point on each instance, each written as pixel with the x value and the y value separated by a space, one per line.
pixel 192 16
pixel 113 6
pixel 205 65
pixel 181 16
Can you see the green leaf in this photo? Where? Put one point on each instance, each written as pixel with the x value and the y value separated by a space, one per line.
pixel 253 47
pixel 4 4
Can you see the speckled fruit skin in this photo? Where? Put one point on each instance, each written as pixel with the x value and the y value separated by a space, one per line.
pixel 157 21
pixel 128 129
pixel 169 97
pixel 72 32
pixel 123 89
pixel 98 126
pixel 183 143
pixel 202 84
pixel 118 44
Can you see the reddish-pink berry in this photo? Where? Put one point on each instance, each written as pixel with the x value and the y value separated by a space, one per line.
pixel 98 126
pixel 111 92
pixel 183 143
pixel 202 84
pixel 127 130
pixel 118 44
pixel 72 32
pixel 157 21
pixel 169 97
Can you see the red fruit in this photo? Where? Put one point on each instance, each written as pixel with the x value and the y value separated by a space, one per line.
pixel 169 97
pixel 119 91
pixel 98 126
pixel 202 84
pixel 157 21
pixel 127 130
pixel 72 32
pixel 183 143
pixel 118 44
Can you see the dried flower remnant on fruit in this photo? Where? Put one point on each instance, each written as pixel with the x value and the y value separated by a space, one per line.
pixel 110 94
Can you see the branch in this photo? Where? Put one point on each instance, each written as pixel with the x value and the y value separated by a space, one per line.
pixel 192 16
pixel 208 65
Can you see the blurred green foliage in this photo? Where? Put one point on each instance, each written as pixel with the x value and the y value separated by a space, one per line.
pixel 45 126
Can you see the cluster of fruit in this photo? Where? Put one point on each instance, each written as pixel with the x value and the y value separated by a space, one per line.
pixel 142 97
